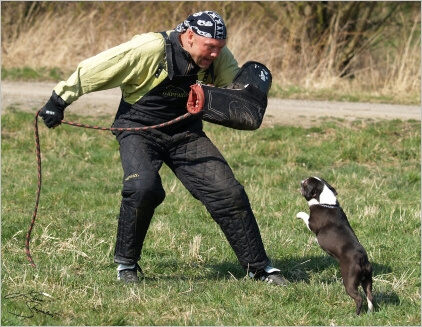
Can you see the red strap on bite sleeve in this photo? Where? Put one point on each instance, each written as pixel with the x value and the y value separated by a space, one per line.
pixel 196 99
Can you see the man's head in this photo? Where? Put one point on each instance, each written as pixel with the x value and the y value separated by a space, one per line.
pixel 205 23
pixel 203 36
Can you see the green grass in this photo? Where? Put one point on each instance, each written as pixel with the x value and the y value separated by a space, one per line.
pixel 191 275
pixel 33 74
pixel 347 93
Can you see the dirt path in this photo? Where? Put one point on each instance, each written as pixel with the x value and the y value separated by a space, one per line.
pixel 31 96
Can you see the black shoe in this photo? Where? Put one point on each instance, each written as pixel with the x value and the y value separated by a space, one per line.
pixel 269 275
pixel 129 275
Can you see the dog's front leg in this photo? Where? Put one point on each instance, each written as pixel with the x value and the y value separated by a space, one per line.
pixel 305 217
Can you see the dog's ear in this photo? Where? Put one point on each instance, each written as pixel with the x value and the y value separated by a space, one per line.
pixel 312 187
pixel 317 188
pixel 330 187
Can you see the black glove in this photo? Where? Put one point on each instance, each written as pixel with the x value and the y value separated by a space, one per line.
pixel 52 112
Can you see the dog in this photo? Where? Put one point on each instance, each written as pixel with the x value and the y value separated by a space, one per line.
pixel 335 236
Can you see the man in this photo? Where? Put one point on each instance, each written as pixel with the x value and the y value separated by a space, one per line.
pixel 155 72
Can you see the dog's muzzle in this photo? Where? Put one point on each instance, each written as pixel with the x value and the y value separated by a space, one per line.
pixel 302 186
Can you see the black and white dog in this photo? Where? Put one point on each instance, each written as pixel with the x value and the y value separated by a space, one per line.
pixel 335 236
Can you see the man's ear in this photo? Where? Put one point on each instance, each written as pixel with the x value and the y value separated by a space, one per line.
pixel 190 36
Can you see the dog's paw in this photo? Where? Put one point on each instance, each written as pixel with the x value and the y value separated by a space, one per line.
pixel 302 215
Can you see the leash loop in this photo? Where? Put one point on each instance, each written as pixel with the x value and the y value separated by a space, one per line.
pixel 38 154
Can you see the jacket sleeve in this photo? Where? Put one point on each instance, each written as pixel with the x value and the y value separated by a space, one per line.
pixel 225 68
pixel 127 66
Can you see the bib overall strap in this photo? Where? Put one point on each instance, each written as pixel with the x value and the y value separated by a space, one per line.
pixel 169 57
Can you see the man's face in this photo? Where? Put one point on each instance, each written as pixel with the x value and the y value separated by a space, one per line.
pixel 203 50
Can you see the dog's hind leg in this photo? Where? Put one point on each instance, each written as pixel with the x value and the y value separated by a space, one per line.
pixel 350 274
pixel 367 288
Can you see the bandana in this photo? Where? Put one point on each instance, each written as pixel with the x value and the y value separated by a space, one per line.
pixel 205 23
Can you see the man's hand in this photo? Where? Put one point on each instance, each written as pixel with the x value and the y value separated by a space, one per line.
pixel 52 112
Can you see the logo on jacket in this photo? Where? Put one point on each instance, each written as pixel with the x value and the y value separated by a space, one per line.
pixel 175 92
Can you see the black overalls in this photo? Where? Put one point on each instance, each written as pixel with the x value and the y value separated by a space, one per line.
pixel 193 158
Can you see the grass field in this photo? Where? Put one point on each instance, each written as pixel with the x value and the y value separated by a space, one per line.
pixel 191 275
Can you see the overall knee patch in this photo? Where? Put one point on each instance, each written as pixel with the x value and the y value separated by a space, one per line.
pixel 141 195
pixel 143 191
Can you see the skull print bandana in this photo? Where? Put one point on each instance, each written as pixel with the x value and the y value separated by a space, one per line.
pixel 205 23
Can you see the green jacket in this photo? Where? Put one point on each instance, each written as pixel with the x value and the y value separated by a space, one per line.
pixel 132 67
